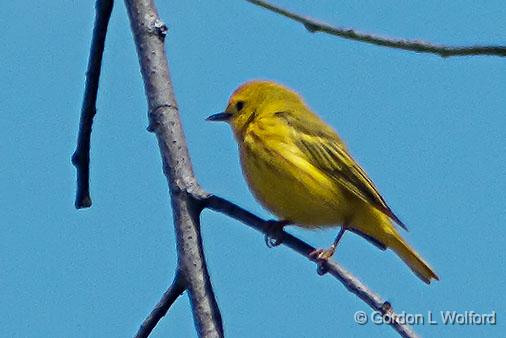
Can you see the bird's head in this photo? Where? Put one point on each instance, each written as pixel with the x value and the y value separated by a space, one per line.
pixel 256 99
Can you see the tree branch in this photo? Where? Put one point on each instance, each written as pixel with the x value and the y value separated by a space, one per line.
pixel 412 45
pixel 177 287
pixel 349 280
pixel 149 34
pixel 187 197
pixel 81 157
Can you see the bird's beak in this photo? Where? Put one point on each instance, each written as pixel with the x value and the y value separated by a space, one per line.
pixel 220 117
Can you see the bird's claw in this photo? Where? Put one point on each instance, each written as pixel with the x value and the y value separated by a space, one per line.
pixel 274 235
pixel 321 257
pixel 272 242
pixel 322 254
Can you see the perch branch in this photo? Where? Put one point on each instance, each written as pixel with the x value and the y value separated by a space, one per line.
pixel 177 287
pixel 188 199
pixel 81 157
pixel 412 45
pixel 149 35
pixel 352 283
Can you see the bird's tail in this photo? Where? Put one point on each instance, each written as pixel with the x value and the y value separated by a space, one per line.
pixel 411 258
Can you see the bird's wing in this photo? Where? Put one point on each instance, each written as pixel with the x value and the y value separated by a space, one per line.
pixel 326 151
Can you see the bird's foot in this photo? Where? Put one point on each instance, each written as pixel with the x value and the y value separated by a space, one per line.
pixel 325 254
pixel 321 257
pixel 322 254
pixel 274 235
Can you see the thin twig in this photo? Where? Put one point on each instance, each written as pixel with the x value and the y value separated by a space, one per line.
pixel 177 288
pixel 81 157
pixel 412 45
pixel 149 34
pixel 349 280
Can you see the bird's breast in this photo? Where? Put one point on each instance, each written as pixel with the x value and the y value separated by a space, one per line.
pixel 284 182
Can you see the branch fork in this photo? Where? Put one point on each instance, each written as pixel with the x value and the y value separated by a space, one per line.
pixel 187 196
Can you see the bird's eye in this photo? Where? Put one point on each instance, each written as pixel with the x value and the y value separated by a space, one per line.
pixel 239 105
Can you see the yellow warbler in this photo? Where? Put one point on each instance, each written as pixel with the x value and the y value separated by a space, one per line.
pixel 298 167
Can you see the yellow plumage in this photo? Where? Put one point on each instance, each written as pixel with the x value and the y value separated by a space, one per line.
pixel 298 168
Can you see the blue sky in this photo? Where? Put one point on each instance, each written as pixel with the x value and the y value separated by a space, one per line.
pixel 429 131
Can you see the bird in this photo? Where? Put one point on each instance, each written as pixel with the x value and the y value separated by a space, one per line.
pixel 298 168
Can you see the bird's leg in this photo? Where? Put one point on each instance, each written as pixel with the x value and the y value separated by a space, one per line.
pixel 274 235
pixel 325 254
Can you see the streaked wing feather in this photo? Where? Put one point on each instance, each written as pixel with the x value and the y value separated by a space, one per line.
pixel 327 152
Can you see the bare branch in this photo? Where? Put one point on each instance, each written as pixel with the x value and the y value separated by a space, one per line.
pixel 149 33
pixel 412 45
pixel 81 157
pixel 188 198
pixel 349 280
pixel 177 287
